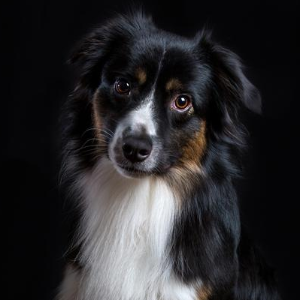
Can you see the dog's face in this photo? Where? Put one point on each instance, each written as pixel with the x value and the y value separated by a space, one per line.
pixel 150 107
pixel 158 100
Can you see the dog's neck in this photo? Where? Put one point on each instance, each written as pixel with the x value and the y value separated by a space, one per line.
pixel 126 233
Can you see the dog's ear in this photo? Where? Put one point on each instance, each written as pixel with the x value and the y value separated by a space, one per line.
pixel 114 35
pixel 88 47
pixel 93 50
pixel 228 73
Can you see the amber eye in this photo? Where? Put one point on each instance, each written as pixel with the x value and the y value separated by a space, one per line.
pixel 182 102
pixel 122 86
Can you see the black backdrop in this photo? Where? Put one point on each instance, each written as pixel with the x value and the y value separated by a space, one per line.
pixel 36 37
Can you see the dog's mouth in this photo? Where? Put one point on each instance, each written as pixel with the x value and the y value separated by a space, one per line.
pixel 133 172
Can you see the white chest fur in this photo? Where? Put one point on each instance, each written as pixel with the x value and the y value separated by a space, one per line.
pixel 125 234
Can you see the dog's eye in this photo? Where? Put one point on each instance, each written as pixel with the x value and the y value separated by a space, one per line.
pixel 122 86
pixel 182 102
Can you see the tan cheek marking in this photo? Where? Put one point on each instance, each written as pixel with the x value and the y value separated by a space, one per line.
pixel 194 150
pixel 97 123
pixel 141 76
pixel 173 84
pixel 203 293
pixel 182 178
pixel 181 181
pixel 96 117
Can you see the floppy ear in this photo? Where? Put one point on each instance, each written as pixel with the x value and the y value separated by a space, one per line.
pixel 230 70
pixel 92 51
pixel 115 35
pixel 88 47
pixel 229 75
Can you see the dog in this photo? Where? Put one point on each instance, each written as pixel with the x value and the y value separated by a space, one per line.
pixel 152 147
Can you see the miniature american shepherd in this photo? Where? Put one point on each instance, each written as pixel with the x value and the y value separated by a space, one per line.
pixel 152 145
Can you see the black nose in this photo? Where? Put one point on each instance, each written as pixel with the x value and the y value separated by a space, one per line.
pixel 137 149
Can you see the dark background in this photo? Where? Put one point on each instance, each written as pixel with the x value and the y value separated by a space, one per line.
pixel 36 38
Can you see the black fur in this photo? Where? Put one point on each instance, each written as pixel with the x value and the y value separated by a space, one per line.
pixel 207 242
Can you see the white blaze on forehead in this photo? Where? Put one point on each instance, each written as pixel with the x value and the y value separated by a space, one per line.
pixel 143 117
pixel 137 120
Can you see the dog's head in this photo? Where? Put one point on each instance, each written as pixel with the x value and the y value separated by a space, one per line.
pixel 153 102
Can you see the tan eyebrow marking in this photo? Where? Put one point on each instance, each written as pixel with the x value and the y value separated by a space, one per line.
pixel 141 75
pixel 173 84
